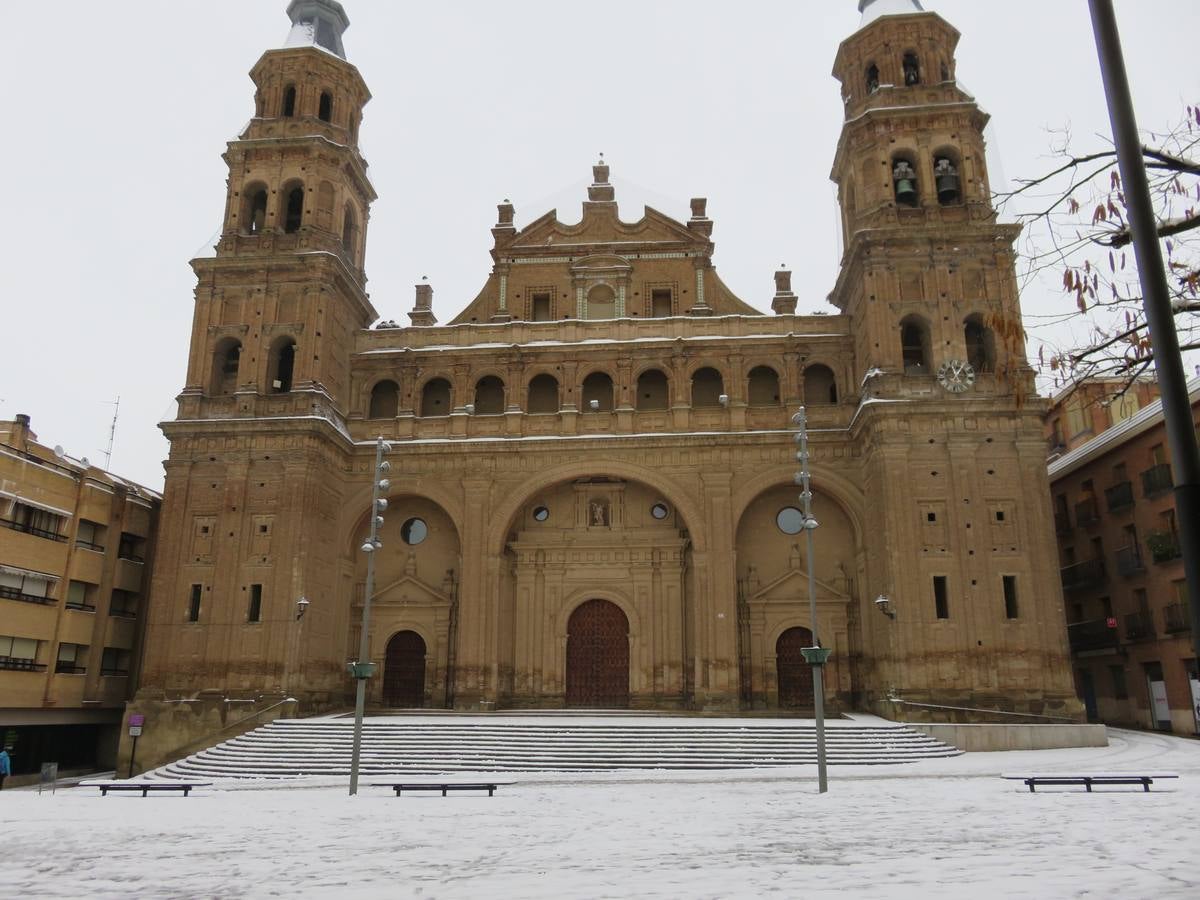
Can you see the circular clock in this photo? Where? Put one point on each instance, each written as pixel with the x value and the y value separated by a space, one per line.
pixel 956 376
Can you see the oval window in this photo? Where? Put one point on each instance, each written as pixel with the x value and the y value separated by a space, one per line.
pixel 414 531
pixel 541 514
pixel 790 520
pixel 659 510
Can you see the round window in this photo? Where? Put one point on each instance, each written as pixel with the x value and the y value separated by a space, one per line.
pixel 414 531
pixel 659 510
pixel 541 514
pixel 790 520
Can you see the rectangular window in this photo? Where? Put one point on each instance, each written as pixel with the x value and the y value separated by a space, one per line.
pixel 31 587
pixel 660 303
pixel 114 662
pixel 81 596
pixel 1120 690
pixel 132 548
pixel 940 602
pixel 539 308
pixel 90 536
pixel 72 659
pixel 18 653
pixel 255 613
pixel 38 522
pixel 1010 596
pixel 124 604
pixel 193 610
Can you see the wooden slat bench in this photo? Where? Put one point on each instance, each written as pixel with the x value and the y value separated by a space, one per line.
pixel 1088 780
pixel 443 786
pixel 146 786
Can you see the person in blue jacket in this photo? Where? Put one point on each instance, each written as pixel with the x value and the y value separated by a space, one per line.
pixel 5 767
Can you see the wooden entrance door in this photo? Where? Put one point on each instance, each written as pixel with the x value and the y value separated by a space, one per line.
pixel 794 674
pixel 598 656
pixel 404 670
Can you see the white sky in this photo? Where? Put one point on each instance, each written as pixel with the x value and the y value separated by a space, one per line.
pixel 118 114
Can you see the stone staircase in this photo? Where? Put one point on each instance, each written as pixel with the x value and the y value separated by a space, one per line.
pixel 423 745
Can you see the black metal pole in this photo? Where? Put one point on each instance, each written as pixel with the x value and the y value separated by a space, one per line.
pixel 1156 300
pixel 132 754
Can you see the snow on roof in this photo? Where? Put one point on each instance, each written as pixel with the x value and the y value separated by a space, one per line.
pixel 875 9
pixel 317 23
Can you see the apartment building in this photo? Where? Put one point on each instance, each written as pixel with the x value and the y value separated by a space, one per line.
pixel 75 551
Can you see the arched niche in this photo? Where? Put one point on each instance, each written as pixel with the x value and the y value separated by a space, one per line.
pixel 435 398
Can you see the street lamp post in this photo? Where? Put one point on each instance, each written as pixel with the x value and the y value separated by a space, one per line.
pixel 816 655
pixel 362 668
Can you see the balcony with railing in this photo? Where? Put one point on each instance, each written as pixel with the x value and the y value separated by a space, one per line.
pixel 1139 626
pixel 1087 512
pixel 1129 560
pixel 21 664
pixel 1083 574
pixel 1163 545
pixel 25 527
pixel 1119 496
pixel 69 668
pixel 1095 634
pixel 1157 479
pixel 13 593
pixel 1176 618
pixel 80 606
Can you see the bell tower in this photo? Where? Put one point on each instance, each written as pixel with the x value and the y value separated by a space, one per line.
pixel 278 303
pixel 260 448
pixel 951 435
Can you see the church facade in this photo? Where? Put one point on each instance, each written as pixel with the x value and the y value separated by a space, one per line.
pixel 591 497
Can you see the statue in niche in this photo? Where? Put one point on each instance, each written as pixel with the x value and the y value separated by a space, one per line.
pixel 410 564
pixel 598 513
pixel 794 557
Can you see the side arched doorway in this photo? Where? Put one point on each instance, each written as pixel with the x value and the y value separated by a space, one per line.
pixel 404 670
pixel 794 675
pixel 598 656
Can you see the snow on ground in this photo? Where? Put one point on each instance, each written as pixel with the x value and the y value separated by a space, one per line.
pixel 936 828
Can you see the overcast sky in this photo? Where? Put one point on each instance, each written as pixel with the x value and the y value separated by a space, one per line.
pixel 118 114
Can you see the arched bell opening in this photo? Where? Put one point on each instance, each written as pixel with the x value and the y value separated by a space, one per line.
pixel 915 345
pixel 435 398
pixel 904 180
pixel 872 78
pixel 707 387
pixel 226 360
pixel 252 217
pixel 598 392
pixel 980 344
pixel 293 207
pixel 543 394
pixel 385 400
pixel 281 364
pixel 489 396
pixel 946 180
pixel 911 66
pixel 820 385
pixel 288 106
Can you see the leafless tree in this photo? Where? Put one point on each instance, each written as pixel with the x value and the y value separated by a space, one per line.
pixel 1077 234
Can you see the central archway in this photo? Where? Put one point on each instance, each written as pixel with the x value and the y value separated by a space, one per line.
pixel 404 670
pixel 794 674
pixel 598 656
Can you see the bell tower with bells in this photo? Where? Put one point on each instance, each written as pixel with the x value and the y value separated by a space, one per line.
pixel 949 424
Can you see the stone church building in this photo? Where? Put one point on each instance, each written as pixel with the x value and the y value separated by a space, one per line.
pixel 591 497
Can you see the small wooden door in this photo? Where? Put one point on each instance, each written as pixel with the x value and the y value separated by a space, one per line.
pixel 794 674
pixel 598 656
pixel 404 670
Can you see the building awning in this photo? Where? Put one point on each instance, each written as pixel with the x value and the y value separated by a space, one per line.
pixel 27 573
pixel 46 507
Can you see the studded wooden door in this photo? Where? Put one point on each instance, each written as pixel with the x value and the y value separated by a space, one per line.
pixel 794 674
pixel 404 670
pixel 598 656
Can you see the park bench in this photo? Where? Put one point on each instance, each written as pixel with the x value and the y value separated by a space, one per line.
pixel 146 786
pixel 443 786
pixel 1088 780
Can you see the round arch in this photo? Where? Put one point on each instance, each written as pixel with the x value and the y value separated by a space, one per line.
pixel 577 598
pixel 507 509
pixel 847 496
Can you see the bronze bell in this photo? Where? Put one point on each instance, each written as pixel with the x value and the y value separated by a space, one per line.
pixel 946 179
pixel 905 180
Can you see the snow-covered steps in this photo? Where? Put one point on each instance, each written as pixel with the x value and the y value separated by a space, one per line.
pixel 417 745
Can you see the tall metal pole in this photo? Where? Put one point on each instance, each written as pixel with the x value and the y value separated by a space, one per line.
pixel 815 655
pixel 1156 301
pixel 362 668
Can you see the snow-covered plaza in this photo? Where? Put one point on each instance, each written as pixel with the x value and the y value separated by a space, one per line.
pixel 934 828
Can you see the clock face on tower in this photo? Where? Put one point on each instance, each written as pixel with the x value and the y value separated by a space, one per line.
pixel 956 376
